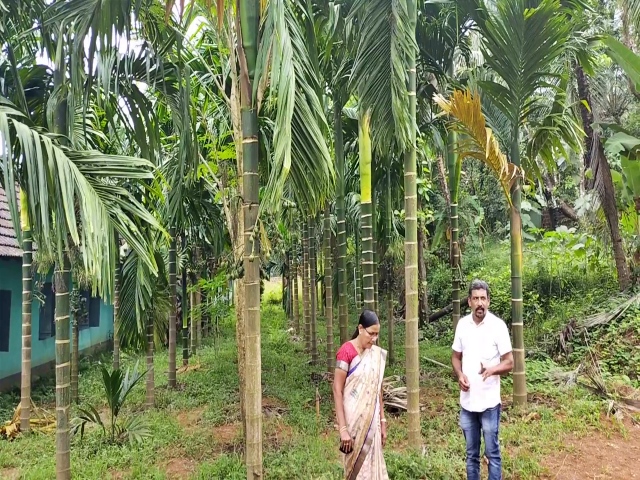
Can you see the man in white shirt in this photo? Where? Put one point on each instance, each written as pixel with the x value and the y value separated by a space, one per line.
pixel 481 353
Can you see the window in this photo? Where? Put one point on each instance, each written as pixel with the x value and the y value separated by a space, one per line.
pixel 5 319
pixel 84 297
pixel 89 310
pixel 94 312
pixel 47 322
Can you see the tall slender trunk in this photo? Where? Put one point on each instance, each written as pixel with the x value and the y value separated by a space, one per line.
pixel 374 247
pixel 249 13
pixel 389 264
pixel 412 369
pixel 185 313
pixel 116 306
pixel 306 288
pixel 364 142
pixel 313 317
pixel 517 325
pixel 194 317
pixel 198 310
pixel 454 166
pixel 62 275
pixel 423 301
pixel 596 160
pixel 320 289
pixel 75 357
pixel 343 313
pixel 62 280
pixel 172 314
pixel 150 395
pixel 328 285
pixel 294 280
pixel 27 290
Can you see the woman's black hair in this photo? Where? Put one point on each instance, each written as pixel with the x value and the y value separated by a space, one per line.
pixel 368 318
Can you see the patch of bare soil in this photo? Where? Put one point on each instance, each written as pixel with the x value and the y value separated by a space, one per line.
pixel 9 473
pixel 179 468
pixel 190 420
pixel 227 437
pixel 597 457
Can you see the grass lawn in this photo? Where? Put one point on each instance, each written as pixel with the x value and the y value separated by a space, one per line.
pixel 197 434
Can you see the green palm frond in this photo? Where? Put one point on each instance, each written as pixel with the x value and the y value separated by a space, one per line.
pixel 379 75
pixel 520 44
pixel 144 296
pixel 300 127
pixel 73 196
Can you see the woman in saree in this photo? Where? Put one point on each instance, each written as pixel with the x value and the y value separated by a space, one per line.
pixel 357 393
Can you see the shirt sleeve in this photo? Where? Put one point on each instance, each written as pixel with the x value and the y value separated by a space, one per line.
pixel 504 339
pixel 457 341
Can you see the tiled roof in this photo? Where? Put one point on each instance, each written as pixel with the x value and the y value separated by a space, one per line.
pixel 8 243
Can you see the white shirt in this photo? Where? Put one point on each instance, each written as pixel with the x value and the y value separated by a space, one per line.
pixel 481 345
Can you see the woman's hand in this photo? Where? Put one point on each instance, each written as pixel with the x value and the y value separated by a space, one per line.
pixel 383 431
pixel 346 441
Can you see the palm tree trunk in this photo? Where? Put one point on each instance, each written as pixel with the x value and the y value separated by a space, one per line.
pixel 62 280
pixel 328 285
pixel 313 317
pixel 249 13
pixel 390 319
pixel 116 306
pixel 412 368
pixel 517 325
pixel 172 314
pixel 185 314
pixel 294 280
pixel 62 276
pixel 27 289
pixel 343 313
pixel 423 309
pixel 194 318
pixel 199 316
pixel 596 160
pixel 454 167
pixel 306 288
pixel 366 225
pixel 75 357
pixel 374 248
pixel 150 398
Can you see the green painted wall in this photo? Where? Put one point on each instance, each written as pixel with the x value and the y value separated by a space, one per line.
pixel 43 351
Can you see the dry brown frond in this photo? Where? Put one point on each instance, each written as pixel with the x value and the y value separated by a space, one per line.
pixel 478 141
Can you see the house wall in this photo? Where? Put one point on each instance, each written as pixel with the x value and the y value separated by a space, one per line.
pixel 42 351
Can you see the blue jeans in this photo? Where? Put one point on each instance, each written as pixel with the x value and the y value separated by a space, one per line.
pixel 489 422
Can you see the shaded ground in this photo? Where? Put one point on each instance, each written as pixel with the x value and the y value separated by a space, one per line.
pixel 598 457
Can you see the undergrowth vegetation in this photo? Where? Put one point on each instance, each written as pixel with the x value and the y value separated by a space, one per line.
pixel 196 431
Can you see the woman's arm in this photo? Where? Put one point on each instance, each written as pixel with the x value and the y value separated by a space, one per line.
pixel 339 379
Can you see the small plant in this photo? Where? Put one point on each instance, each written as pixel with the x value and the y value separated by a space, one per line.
pixel 117 388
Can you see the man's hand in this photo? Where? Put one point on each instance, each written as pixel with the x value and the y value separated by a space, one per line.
pixel 463 381
pixel 486 372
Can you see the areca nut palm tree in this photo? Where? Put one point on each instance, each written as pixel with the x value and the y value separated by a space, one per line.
pixel 520 44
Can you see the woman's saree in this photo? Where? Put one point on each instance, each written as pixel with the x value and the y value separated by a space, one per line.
pixel 362 411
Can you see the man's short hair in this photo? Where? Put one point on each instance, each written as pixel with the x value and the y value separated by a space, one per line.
pixel 478 284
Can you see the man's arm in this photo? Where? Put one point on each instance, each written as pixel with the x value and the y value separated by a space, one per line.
pixel 503 368
pixel 456 361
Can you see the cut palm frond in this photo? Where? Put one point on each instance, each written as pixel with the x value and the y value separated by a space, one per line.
pixel 479 142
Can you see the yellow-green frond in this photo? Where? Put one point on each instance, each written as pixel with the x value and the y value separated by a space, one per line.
pixel 478 141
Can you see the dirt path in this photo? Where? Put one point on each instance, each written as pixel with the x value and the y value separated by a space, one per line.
pixel 597 457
